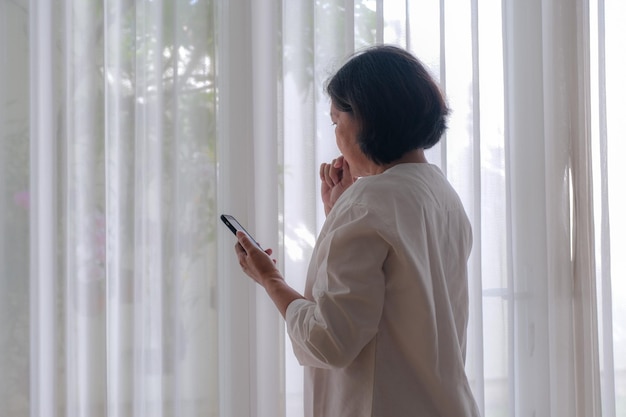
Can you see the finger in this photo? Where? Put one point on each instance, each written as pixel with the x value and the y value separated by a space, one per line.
pixel 245 241
pixel 347 174
pixel 330 175
pixel 322 169
pixel 338 163
pixel 326 176
pixel 239 250
pixel 335 173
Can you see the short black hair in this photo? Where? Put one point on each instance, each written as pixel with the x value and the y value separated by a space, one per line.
pixel 395 100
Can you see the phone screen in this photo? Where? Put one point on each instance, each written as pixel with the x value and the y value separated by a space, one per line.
pixel 234 225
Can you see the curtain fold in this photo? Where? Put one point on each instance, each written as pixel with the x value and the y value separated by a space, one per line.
pixel 127 127
pixel 608 127
pixel 44 289
pixel 265 92
pixel 15 201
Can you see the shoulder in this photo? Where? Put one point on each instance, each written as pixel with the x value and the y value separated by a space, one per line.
pixel 416 185
pixel 358 213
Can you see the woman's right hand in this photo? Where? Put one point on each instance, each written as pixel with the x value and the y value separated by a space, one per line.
pixel 336 178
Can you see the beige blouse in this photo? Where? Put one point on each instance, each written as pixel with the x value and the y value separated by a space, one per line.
pixel 382 331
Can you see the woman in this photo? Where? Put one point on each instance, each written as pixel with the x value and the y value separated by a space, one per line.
pixel 381 328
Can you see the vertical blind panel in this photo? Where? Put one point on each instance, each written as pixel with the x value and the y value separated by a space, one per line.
pixel 150 207
pixel 394 15
pixel 348 26
pixel 458 148
pixel 615 65
pixel 509 406
pixel 4 33
pixel 170 149
pixel 332 47
pixel 235 182
pixel 5 290
pixel 423 33
pixel 380 21
pixel 526 189
pixel 493 215
pixel 16 198
pixel 265 45
pixel 566 191
pixel 82 180
pixel 141 213
pixel 458 89
pixel 364 23
pixel 475 347
pixel 299 163
pixel 437 154
pixel 44 396
pixel 299 139
pixel 119 79
pixel 598 104
pixel 598 100
pixel 425 40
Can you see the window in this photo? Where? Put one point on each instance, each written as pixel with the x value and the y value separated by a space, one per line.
pixel 127 127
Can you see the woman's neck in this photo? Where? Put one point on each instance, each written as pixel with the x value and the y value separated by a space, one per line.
pixel 415 156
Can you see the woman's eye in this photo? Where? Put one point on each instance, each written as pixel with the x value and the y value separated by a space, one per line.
pixel 333 123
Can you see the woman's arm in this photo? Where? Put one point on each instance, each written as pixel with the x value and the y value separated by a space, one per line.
pixel 348 291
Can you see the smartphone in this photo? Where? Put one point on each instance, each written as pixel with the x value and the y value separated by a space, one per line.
pixel 234 225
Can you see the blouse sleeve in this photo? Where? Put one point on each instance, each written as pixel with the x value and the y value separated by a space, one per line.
pixel 348 291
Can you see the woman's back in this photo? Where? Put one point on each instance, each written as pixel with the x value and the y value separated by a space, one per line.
pixel 386 335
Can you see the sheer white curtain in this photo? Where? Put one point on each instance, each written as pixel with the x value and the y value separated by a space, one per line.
pixel 109 173
pixel 128 126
